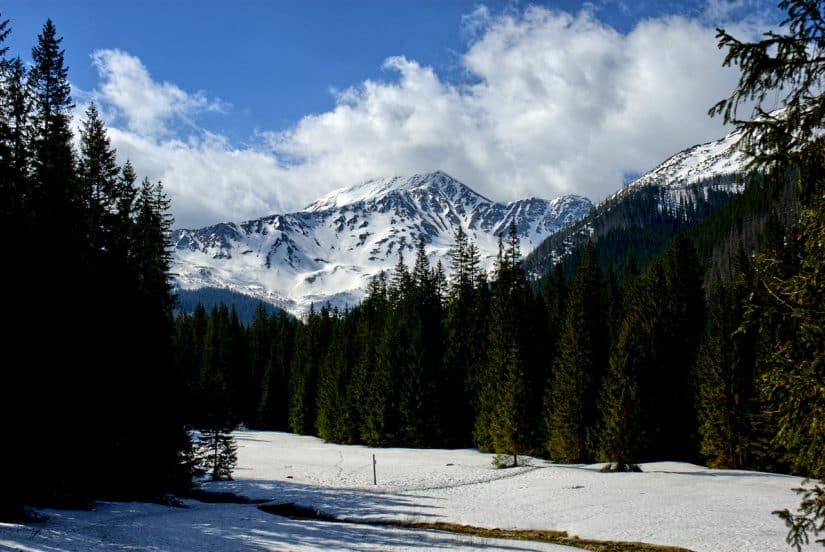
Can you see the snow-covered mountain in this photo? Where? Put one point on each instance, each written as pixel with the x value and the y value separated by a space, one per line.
pixel 331 249
pixel 702 162
pixel 687 184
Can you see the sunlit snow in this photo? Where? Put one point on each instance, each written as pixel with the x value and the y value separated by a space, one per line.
pixel 669 503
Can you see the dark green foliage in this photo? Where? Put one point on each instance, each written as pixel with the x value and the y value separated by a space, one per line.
pixel 337 418
pixel 52 104
pixel 729 409
pixel 788 307
pixel 789 312
pixel 311 342
pixel 507 383
pixel 811 517
pixel 622 435
pixel 680 330
pixel 637 225
pixel 245 306
pixel 784 68
pixel 372 378
pixel 580 362
pixel 217 454
pixel 465 327
pixel 98 368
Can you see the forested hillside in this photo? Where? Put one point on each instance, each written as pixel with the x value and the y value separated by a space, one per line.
pixel 637 224
pixel 187 300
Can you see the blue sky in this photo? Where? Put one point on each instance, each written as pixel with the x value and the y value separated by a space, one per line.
pixel 250 107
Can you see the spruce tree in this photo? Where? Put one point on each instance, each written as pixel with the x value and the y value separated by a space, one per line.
pixel 370 395
pixel 336 419
pixel 311 344
pixel 54 207
pixel 623 423
pixel 729 410
pixel 217 453
pixel 382 416
pixel 100 182
pixel 419 373
pixel 16 135
pixel 56 188
pixel 464 336
pixel 260 340
pixel 788 66
pixel 572 415
pixel 504 424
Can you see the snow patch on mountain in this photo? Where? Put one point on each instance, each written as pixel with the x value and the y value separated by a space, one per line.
pixel 697 163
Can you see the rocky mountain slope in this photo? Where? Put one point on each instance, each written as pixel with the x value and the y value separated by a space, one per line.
pixel 329 251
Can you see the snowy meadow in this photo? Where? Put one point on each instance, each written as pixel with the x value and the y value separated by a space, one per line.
pixel 674 504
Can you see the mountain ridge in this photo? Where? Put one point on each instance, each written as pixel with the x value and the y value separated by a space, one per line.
pixel 329 251
pixel 681 190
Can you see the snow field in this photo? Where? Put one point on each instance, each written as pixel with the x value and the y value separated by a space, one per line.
pixel 671 503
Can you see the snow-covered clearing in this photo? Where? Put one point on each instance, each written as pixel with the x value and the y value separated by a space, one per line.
pixel 670 503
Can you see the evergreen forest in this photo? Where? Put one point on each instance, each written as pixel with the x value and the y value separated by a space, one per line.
pixel 88 387
pixel 655 363
pixel 698 336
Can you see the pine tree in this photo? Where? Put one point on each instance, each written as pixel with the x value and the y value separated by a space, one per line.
pixel 572 415
pixel 504 424
pixel 311 343
pixel 217 453
pixel 53 207
pixel 279 366
pixel 100 182
pixel 418 375
pixel 16 135
pixel 260 340
pixel 107 251
pixel 15 382
pixel 56 189
pixel 728 404
pixel 368 400
pixel 382 418
pixel 157 437
pixel 622 433
pixel 788 66
pixel 464 337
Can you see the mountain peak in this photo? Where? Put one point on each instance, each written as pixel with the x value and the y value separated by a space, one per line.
pixel 377 188
pixel 329 251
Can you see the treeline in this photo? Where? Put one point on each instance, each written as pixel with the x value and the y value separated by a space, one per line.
pixel 87 387
pixel 668 361
pixel 187 300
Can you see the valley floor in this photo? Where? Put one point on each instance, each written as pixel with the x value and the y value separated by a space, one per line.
pixel 670 503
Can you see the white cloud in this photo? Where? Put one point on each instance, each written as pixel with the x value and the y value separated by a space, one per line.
pixel 558 103
pixel 208 180
pixel 727 12
pixel 146 105
pixel 562 103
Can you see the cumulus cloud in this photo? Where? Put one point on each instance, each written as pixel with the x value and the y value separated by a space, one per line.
pixel 147 106
pixel 561 103
pixel 207 179
pixel 553 103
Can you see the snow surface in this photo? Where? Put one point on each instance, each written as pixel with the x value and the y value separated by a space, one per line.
pixel 704 161
pixel 671 503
